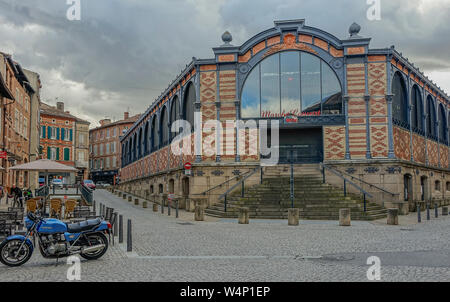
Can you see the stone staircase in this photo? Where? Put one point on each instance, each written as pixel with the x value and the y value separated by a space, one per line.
pixel 316 201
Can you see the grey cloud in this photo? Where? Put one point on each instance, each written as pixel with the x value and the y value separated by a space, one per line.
pixel 134 48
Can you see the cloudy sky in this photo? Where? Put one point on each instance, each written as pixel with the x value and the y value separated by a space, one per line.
pixel 123 53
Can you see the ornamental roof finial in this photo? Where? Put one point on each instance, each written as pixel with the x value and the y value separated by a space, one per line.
pixel 354 30
pixel 227 38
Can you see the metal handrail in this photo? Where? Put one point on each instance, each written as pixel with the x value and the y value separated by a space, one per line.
pixel 221 184
pixel 224 195
pixel 87 194
pixel 363 181
pixel 339 174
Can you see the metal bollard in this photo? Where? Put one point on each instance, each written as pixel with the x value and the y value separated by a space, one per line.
pixel 115 226
pixel 168 208
pixel 93 205
pixel 162 206
pixel 120 228
pixel 436 210
pixel 419 219
pixel 129 243
pixel 428 211
pixel 176 210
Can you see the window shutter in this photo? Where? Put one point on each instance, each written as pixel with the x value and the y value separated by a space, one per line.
pixel 66 154
pixel 43 131
pixel 49 132
pixel 49 153
pixel 71 134
pixel 57 133
pixel 63 132
pixel 57 153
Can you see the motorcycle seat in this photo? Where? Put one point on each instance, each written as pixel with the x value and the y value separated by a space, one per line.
pixel 83 226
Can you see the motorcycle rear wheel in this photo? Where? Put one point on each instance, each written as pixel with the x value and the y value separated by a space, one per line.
pixel 94 239
pixel 9 248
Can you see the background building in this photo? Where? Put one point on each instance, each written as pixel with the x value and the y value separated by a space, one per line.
pixel 35 82
pixel 15 123
pixel 58 137
pixel 105 149
pixel 82 148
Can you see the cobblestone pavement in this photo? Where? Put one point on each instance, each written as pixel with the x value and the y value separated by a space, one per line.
pixel 169 249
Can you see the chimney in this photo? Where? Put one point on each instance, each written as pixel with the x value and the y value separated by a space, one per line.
pixel 60 106
pixel 126 115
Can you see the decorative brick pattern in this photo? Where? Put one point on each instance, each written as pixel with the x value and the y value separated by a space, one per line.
pixel 377 78
pixel 227 85
pixel 228 141
pixel 402 144
pixel 443 156
pixel 418 145
pixel 251 145
pixel 432 153
pixel 356 50
pixel 356 79
pixel 208 87
pixel 163 159
pixel 357 141
pixel 334 142
pixel 379 140
pixel 378 107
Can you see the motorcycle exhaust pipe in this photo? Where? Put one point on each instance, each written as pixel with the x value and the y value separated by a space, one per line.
pixel 92 249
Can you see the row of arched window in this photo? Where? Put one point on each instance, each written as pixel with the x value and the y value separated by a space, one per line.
pixel 425 118
pixel 155 133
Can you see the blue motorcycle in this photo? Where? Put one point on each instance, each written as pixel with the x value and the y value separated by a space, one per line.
pixel 56 239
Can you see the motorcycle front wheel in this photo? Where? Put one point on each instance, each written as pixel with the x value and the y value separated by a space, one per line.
pixel 95 239
pixel 8 251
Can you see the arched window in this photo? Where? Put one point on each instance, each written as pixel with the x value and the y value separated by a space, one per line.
pixel 173 115
pixel 123 154
pixel 164 127
pixel 134 147
pixel 139 144
pixel 442 125
pixel 291 82
pixel 145 139
pixel 417 113
pixel 188 105
pixel 399 101
pixel 431 118
pixel 155 136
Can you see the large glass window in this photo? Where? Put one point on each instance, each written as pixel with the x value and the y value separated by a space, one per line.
pixel 399 102
pixel 291 82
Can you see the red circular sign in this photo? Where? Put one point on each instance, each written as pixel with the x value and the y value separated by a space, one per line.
pixel 187 166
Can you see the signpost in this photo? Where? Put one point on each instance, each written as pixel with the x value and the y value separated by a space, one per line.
pixel 187 168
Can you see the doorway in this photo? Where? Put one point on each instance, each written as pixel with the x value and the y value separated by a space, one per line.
pixel 301 145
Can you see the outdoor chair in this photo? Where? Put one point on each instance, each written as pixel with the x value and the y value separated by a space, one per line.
pixel 31 205
pixel 70 208
pixel 55 207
